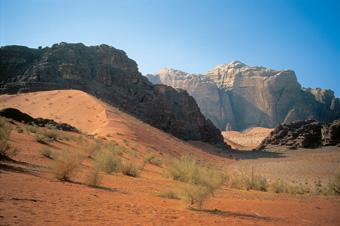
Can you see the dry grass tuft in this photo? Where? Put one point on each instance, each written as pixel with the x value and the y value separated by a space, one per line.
pixel 48 153
pixel 130 169
pixel 5 130
pixel 65 165
pixel 108 161
pixel 152 159
pixel 201 182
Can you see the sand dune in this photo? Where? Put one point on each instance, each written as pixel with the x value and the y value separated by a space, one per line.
pixel 247 139
pixel 95 117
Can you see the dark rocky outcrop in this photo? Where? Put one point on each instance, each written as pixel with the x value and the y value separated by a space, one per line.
pixel 303 134
pixel 236 96
pixel 110 75
pixel 17 115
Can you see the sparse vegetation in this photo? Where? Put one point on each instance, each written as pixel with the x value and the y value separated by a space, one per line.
pixel 130 169
pixel 201 182
pixel 334 185
pixel 44 135
pixel 241 180
pixel 32 128
pixel 152 159
pixel 168 194
pixel 65 165
pixel 108 162
pixel 93 178
pixel 19 129
pixel 5 131
pixel 195 194
pixel 279 186
pixel 48 153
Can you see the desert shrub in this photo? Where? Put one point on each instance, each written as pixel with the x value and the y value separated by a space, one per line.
pixel 44 135
pixel 299 189
pixel 168 194
pixel 32 128
pixel 5 131
pixel 195 194
pixel 92 148
pixel 19 129
pixel 152 159
pixel 108 161
pixel 65 165
pixel 256 182
pixel 114 148
pixel 93 178
pixel 279 186
pixel 42 139
pixel 188 170
pixel 334 185
pixel 130 169
pixel 184 169
pixel 201 181
pixel 242 180
pixel 48 153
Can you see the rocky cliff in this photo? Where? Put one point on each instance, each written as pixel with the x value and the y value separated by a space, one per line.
pixel 236 96
pixel 303 134
pixel 110 75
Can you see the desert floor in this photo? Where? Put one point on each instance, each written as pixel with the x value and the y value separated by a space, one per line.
pixel 30 194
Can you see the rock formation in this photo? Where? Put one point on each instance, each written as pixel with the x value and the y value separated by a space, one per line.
pixel 303 134
pixel 236 96
pixel 110 75
pixel 17 115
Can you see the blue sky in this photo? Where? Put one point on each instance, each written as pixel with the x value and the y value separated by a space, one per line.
pixel 193 36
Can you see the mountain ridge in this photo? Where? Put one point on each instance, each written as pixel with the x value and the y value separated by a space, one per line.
pixel 107 73
pixel 237 96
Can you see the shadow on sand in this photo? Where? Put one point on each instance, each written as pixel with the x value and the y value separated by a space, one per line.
pixel 224 213
pixel 240 155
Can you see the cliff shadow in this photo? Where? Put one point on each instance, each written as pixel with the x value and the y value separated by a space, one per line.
pixel 256 154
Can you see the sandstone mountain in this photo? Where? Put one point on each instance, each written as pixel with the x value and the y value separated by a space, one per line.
pixel 110 75
pixel 236 96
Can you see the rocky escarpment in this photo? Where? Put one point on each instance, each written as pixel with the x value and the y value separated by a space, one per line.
pixel 110 75
pixel 17 115
pixel 236 96
pixel 303 134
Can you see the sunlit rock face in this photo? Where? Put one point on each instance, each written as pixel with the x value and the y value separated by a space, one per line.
pixel 236 96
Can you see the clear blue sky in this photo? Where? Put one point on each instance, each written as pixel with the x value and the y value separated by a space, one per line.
pixel 193 36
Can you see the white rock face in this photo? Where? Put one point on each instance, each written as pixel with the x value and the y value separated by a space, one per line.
pixel 237 96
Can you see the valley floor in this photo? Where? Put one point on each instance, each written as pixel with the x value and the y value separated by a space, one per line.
pixel 31 195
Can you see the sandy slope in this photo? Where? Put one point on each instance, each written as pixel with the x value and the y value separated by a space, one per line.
pixel 29 194
pixel 247 139
pixel 92 116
